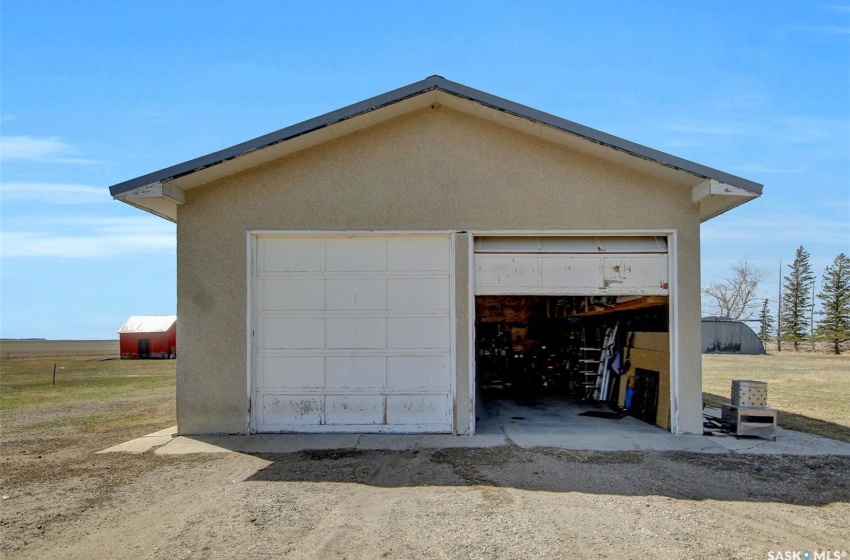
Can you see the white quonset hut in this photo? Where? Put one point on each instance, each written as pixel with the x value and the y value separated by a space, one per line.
pixel 364 270
pixel 722 335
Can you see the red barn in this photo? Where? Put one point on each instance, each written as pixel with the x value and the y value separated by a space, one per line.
pixel 149 336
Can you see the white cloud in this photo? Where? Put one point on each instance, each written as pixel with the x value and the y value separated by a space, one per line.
pixel 756 167
pixel 786 144
pixel 682 143
pixel 836 204
pixel 44 149
pixel 30 148
pixel 99 238
pixel 53 193
pixel 793 228
pixel 789 129
pixel 122 226
pixel 715 128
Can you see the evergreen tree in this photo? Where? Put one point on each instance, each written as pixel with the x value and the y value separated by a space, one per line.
pixel 835 303
pixel 796 300
pixel 766 321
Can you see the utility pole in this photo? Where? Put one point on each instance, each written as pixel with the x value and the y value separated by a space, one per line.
pixel 779 311
pixel 812 318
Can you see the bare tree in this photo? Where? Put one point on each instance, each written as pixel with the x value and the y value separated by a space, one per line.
pixel 736 296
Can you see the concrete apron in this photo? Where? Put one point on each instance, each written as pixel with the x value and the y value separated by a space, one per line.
pixel 504 422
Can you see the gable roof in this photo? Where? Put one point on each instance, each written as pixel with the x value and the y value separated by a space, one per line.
pixel 161 191
pixel 148 324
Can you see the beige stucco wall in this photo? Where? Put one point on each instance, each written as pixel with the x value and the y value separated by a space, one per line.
pixel 434 168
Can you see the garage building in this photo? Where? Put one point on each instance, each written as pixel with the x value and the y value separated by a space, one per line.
pixel 389 266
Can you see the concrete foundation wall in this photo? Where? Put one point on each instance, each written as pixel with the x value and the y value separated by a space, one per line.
pixel 431 169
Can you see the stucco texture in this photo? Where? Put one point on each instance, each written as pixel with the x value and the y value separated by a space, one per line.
pixel 431 169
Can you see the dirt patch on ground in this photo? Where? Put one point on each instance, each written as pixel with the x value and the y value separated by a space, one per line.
pixel 61 500
pixel 503 502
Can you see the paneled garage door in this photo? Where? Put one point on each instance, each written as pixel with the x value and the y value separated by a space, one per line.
pixel 579 266
pixel 352 333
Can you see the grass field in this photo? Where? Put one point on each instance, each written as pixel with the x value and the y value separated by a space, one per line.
pixel 810 391
pixel 92 394
pixel 43 348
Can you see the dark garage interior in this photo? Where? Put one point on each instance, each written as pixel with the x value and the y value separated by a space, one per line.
pixel 601 356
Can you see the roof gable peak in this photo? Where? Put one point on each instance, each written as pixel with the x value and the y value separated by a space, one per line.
pixel 161 191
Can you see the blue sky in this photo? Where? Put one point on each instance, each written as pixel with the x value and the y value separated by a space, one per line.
pixel 94 93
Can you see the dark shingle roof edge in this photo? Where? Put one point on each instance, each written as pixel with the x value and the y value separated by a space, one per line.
pixel 417 88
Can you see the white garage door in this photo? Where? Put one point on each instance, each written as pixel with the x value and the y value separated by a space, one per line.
pixel 352 333
pixel 613 266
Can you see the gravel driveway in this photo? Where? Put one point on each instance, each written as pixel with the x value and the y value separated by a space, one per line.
pixel 62 500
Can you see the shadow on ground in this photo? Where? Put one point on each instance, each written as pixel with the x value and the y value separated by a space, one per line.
pixel 791 421
pixel 678 475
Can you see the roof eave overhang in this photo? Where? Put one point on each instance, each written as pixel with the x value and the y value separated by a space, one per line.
pixel 159 198
pixel 716 197
pixel 161 192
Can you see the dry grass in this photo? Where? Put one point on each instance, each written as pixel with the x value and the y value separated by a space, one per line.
pixel 811 391
pixel 91 395
pixel 44 348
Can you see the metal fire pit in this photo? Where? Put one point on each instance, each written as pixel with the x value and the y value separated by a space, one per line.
pixel 749 393
pixel 750 420
pixel 748 415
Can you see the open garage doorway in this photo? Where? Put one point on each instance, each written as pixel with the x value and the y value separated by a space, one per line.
pixel 571 333
pixel 549 359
